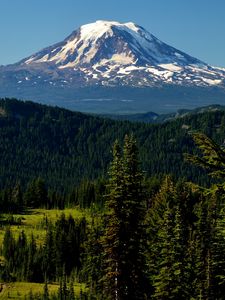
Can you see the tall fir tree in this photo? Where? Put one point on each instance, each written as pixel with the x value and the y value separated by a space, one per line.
pixel 123 238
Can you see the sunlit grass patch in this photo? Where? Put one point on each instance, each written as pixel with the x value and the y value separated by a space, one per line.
pixel 19 290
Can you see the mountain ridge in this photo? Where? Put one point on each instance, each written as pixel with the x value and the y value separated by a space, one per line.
pixel 154 118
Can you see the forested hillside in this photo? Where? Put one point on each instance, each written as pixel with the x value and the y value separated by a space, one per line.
pixel 64 147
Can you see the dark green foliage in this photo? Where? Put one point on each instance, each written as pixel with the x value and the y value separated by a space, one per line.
pixel 210 236
pixel 36 194
pixel 71 295
pixel 87 193
pixel 45 293
pixel 92 269
pixel 68 239
pixel 12 200
pixel 176 252
pixel 60 255
pixel 123 238
pixel 65 148
pixel 171 281
pixel 168 241
pixel 213 156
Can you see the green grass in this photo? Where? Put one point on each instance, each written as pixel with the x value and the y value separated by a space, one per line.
pixel 33 221
pixel 19 290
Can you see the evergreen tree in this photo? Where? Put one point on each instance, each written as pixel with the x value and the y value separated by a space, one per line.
pixel 112 240
pixel 155 220
pixel 210 235
pixel 163 281
pixel 60 290
pixel 30 271
pixel 49 256
pixel 124 230
pixel 92 269
pixel 171 280
pixel 218 257
pixel 36 194
pixel 213 155
pixel 71 295
pixel 170 254
pixel 17 198
pixel 46 293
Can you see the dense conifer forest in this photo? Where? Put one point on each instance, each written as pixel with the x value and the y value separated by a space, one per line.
pixel 148 204
pixel 65 148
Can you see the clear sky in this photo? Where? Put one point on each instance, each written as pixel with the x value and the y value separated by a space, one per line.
pixel 196 27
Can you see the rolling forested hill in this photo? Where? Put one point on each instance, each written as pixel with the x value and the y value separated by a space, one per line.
pixel 64 147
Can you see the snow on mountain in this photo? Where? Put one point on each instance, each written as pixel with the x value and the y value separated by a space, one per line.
pixel 111 53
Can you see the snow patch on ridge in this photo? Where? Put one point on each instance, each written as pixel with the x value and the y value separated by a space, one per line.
pixel 171 67
pixel 212 81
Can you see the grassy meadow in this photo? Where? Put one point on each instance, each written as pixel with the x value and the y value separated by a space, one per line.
pixel 19 290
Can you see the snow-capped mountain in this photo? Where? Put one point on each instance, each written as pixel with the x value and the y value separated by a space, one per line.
pixel 108 54
pixel 112 53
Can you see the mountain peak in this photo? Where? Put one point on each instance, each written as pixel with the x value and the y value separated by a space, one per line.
pixel 110 43
pixel 100 27
pixel 108 24
pixel 95 42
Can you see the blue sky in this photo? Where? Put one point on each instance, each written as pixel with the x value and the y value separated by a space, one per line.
pixel 196 27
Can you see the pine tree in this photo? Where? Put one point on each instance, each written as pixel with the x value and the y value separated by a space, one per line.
pixel 134 237
pixel 213 155
pixel 71 295
pixel 30 266
pixel 92 269
pixel 171 280
pixel 17 198
pixel 217 245
pixel 210 240
pixel 60 290
pixel 46 293
pixel 163 280
pixel 124 231
pixel 49 263
pixel 218 258
pixel 155 220
pixel 114 229
pixel 169 232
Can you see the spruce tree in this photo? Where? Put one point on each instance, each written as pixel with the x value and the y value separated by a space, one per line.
pixel 170 255
pixel 46 293
pixel 163 280
pixel 71 295
pixel 114 229
pixel 213 155
pixel 218 258
pixel 210 233
pixel 124 230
